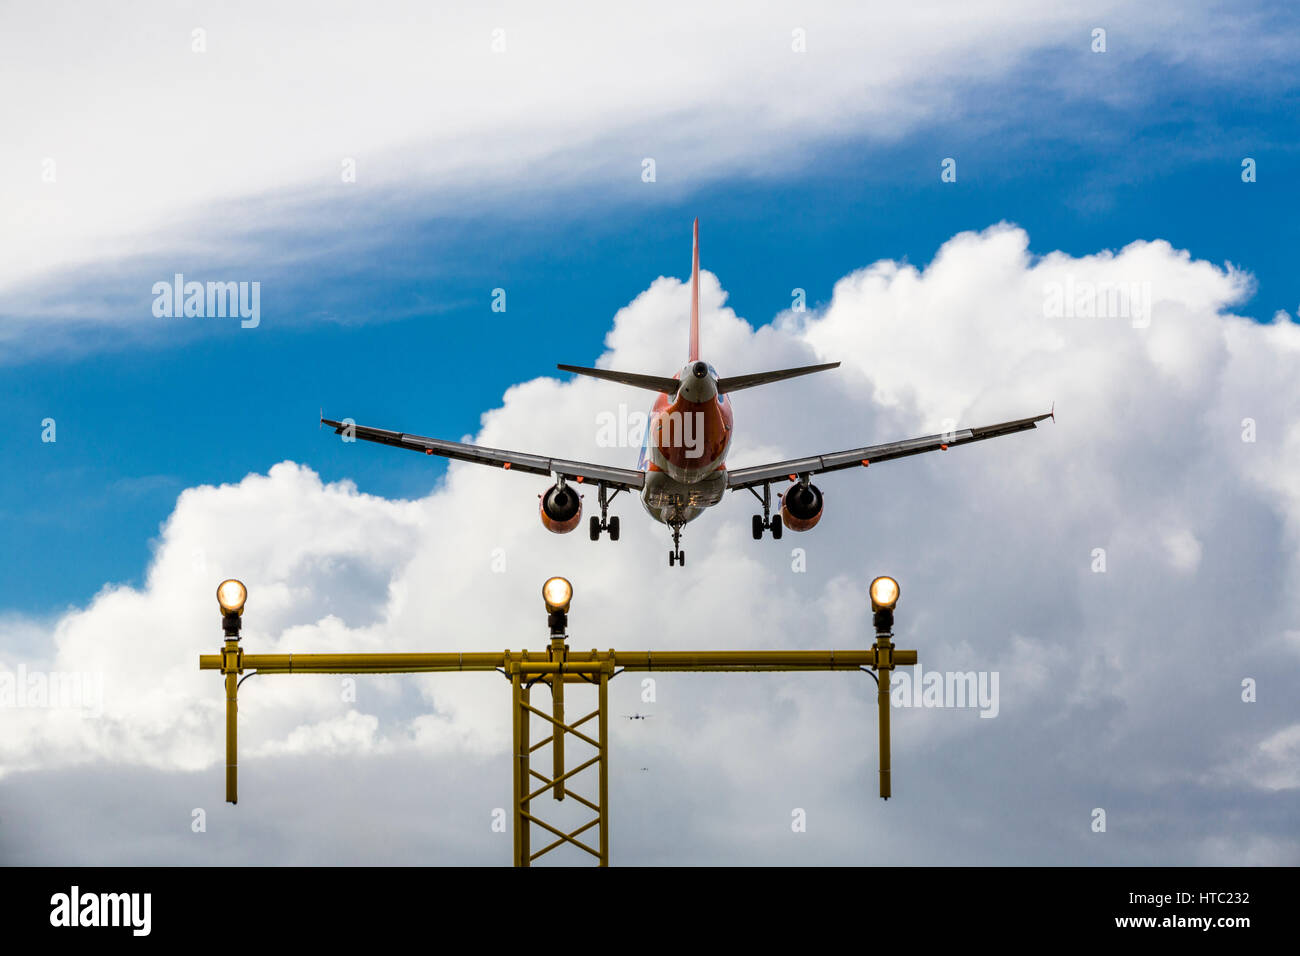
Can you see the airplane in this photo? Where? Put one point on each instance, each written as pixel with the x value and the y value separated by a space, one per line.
pixel 682 469
pixel 638 716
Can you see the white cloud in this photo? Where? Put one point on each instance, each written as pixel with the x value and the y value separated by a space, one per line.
pixel 1112 691
pixel 1282 755
pixel 161 151
pixel 1269 764
pixel 1184 550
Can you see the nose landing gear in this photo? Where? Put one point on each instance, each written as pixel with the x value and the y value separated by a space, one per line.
pixel 676 556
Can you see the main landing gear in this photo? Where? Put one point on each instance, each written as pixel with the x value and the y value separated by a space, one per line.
pixel 676 556
pixel 604 522
pixel 766 521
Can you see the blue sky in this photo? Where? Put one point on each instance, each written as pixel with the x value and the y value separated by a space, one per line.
pixel 413 344
pixel 1083 562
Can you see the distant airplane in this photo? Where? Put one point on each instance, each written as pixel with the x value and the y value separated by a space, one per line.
pixel 682 466
pixel 638 716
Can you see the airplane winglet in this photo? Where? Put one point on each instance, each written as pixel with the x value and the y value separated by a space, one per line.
pixel 1053 413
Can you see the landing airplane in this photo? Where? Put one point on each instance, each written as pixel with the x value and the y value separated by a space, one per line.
pixel 682 466
pixel 638 716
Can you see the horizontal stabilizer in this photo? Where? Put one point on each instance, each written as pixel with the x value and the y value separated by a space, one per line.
pixel 655 383
pixel 737 382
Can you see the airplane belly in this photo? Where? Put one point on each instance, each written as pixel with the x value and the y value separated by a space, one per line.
pixel 665 498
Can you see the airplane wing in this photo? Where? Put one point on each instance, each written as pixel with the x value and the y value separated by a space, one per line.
pixel 860 457
pixel 624 478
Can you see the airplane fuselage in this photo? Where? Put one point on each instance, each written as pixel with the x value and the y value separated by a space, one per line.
pixel 685 448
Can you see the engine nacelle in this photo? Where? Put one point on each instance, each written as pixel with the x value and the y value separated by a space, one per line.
pixel 801 507
pixel 561 508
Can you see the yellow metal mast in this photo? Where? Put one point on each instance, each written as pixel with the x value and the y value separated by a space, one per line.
pixel 555 668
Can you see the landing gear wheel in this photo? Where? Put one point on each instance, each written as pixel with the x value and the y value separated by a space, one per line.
pixel 681 558
pixel 766 521
pixel 605 522
pixel 672 558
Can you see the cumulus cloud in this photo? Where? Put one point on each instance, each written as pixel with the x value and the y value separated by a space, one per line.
pixel 1119 688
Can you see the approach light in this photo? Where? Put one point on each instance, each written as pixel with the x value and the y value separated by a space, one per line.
pixel 231 595
pixel 557 593
pixel 884 593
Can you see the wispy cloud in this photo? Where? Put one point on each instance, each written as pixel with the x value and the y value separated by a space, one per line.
pixel 147 148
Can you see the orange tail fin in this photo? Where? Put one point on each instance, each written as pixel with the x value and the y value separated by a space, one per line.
pixel 695 296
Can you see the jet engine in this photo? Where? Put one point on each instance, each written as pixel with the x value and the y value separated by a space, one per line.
pixel 801 507
pixel 561 508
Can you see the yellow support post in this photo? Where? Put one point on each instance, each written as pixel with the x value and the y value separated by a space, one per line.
pixel 232 751
pixel 516 754
pixel 230 664
pixel 887 658
pixel 558 649
pixel 522 747
pixel 882 702
pixel 525 733
pixel 603 704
